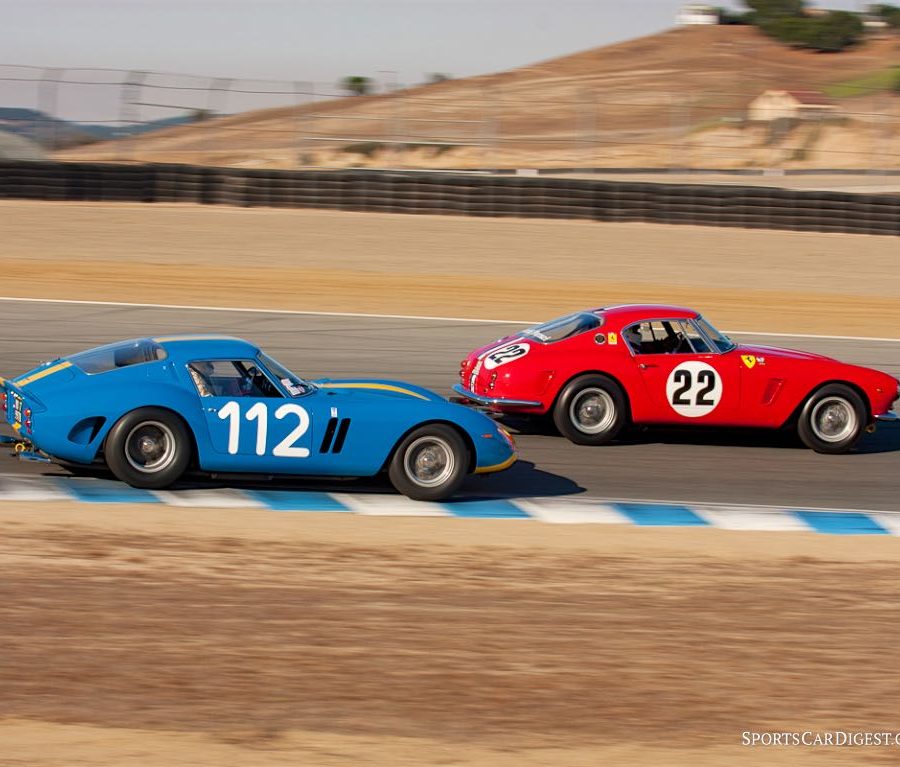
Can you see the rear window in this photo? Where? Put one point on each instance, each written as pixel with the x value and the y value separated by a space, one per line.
pixel 564 327
pixel 118 355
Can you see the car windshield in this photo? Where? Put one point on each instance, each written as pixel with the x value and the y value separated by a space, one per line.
pixel 722 342
pixel 118 355
pixel 294 385
pixel 564 327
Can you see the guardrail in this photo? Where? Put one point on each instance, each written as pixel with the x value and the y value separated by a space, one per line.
pixel 457 194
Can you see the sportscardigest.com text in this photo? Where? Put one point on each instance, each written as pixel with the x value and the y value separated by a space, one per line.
pixel 815 738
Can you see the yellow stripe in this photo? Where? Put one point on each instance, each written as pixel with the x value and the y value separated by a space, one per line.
pixel 44 373
pixel 497 466
pixel 381 387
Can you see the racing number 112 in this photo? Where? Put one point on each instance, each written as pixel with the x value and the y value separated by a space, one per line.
pixel 258 412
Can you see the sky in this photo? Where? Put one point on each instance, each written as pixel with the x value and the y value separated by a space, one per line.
pixel 319 41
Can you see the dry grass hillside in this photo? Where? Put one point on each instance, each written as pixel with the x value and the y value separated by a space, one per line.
pixel 671 99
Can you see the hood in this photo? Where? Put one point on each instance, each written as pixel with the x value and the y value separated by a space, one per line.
pixel 775 352
pixel 379 388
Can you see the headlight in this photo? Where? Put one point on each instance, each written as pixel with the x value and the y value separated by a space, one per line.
pixel 507 436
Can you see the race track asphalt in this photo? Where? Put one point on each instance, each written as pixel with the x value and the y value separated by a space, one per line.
pixel 690 466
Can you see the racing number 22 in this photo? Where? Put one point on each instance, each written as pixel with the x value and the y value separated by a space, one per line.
pixel 287 448
pixel 694 389
pixel 706 380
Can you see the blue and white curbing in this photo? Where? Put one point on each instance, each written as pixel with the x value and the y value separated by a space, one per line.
pixel 552 510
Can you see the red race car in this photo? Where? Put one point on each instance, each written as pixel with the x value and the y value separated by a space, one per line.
pixel 598 370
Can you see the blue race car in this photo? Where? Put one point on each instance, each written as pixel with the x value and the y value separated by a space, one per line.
pixel 152 408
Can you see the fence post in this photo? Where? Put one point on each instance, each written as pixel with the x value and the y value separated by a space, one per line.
pixel 128 108
pixel 587 126
pixel 48 96
pixel 488 125
pixel 216 103
pixel 299 89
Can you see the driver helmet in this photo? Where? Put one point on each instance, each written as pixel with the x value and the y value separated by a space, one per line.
pixel 633 335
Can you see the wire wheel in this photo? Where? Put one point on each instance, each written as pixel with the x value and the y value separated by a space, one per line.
pixel 429 461
pixel 150 447
pixel 833 419
pixel 592 411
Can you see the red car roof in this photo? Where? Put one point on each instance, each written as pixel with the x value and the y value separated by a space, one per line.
pixel 626 313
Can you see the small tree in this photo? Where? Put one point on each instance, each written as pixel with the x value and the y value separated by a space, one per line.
pixel 357 85
pixel 834 32
pixel 437 77
pixel 890 14
pixel 786 21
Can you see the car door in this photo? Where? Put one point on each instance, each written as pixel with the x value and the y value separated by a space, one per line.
pixel 253 426
pixel 686 379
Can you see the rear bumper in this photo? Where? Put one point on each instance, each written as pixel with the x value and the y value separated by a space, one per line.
pixel 493 401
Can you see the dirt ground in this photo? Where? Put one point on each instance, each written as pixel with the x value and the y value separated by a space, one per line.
pixel 450 266
pixel 203 637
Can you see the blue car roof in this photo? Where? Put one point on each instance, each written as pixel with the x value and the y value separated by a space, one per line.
pixel 206 346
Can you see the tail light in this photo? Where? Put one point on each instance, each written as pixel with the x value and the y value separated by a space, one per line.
pixel 27 421
pixel 3 402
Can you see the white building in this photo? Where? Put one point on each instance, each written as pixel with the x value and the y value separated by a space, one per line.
pixel 872 19
pixel 793 105
pixel 695 13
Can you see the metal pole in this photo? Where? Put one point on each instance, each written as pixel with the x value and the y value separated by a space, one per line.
pixel 673 126
pixel 299 89
pixel 587 125
pixel 488 125
pixel 48 93
pixel 216 103
pixel 129 112
pixel 390 129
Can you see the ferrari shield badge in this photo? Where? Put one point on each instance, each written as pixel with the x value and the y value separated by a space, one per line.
pixel 749 360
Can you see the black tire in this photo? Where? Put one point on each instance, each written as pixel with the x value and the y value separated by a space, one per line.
pixel 585 400
pixel 149 448
pixel 436 444
pixel 832 420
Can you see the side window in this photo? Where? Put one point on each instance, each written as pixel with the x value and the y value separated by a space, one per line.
pixel 665 337
pixel 697 343
pixel 231 378
pixel 652 337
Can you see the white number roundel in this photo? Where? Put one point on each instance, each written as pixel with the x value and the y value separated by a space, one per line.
pixel 505 354
pixel 694 389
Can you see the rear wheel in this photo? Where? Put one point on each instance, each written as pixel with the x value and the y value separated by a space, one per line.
pixel 832 420
pixel 148 447
pixel 430 464
pixel 590 410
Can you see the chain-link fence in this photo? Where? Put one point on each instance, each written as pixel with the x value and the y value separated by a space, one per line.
pixel 499 121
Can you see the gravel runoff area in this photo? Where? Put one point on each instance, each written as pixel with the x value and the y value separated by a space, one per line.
pixel 452 266
pixel 136 636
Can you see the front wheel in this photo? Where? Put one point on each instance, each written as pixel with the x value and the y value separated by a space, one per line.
pixel 832 420
pixel 148 447
pixel 430 464
pixel 590 410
